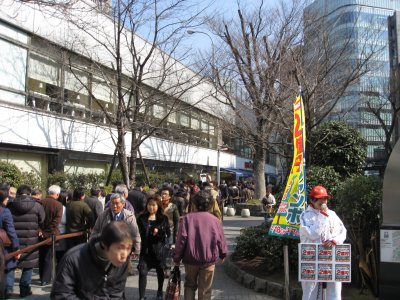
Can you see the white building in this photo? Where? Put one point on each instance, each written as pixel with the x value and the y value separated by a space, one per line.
pixel 48 86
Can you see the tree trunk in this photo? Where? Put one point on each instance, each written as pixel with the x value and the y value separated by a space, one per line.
pixel 122 157
pixel 132 162
pixel 258 171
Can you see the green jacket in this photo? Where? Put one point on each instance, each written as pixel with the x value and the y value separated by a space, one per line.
pixel 79 216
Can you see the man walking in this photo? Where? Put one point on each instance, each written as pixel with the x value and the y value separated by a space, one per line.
pixel 117 212
pixel 53 210
pixel 200 243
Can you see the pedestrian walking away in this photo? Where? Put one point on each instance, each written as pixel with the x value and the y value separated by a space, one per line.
pixel 53 210
pixel 200 243
pixel 28 216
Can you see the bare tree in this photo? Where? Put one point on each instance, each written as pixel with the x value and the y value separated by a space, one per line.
pixel 253 75
pixel 266 53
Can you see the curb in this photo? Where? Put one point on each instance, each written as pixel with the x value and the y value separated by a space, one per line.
pixel 257 284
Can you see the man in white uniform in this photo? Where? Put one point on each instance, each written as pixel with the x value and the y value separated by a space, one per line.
pixel 318 224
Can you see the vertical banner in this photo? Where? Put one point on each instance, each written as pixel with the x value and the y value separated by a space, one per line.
pixel 286 222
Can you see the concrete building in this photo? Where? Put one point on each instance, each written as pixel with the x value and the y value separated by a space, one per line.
pixel 364 24
pixel 57 97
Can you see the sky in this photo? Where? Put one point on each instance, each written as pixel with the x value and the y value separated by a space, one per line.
pixel 226 8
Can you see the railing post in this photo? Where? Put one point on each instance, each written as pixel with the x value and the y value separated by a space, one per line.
pixel 53 257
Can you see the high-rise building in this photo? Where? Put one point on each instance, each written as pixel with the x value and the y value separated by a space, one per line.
pixel 394 56
pixel 364 23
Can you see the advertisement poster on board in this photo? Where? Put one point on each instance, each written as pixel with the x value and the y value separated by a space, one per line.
pixel 308 252
pixel 324 254
pixel 342 272
pixel 320 264
pixel 308 271
pixel 342 253
pixel 325 272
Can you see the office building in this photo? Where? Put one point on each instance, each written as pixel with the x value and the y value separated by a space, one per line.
pixel 363 25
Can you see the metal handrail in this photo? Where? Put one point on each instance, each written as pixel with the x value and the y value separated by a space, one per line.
pixel 47 241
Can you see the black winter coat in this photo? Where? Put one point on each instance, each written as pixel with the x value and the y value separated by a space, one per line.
pixel 28 216
pixel 149 240
pixel 83 275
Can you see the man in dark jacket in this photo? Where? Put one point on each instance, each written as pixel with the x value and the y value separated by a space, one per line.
pixel 53 210
pixel 137 198
pixel 79 217
pixel 97 270
pixel 28 216
pixel 94 202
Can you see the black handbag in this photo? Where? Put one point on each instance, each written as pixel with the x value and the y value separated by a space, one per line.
pixel 161 250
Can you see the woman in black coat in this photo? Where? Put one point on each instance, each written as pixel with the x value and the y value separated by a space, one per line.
pixel 154 232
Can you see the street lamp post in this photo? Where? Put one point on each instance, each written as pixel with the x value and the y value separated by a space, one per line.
pixel 212 49
pixel 219 148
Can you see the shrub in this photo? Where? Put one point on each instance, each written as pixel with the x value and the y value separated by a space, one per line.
pixel 10 173
pixel 33 180
pixel 339 145
pixel 71 181
pixel 359 205
pixel 58 178
pixel 255 241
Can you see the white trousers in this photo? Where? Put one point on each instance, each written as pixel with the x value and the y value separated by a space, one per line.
pixel 313 290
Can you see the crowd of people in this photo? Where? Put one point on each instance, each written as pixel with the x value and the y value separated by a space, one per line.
pixel 157 229
pixel 158 219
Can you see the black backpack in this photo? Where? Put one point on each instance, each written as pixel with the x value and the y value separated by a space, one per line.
pixel 234 192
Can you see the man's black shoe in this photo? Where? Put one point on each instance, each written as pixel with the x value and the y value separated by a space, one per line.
pixel 25 293
pixel 45 283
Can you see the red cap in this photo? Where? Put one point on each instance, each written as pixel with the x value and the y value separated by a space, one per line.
pixel 319 192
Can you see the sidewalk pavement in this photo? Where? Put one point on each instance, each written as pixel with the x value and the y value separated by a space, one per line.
pixel 224 287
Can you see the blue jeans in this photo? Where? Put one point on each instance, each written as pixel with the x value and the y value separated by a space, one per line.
pixel 267 217
pixel 24 282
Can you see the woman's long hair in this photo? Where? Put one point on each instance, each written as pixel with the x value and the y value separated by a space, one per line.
pixel 157 199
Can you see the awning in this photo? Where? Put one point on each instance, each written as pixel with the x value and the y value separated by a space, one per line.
pixel 238 172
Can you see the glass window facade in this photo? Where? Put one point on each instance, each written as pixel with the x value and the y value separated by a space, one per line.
pixel 365 24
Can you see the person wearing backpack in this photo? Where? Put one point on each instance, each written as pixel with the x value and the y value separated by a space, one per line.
pixel 234 194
